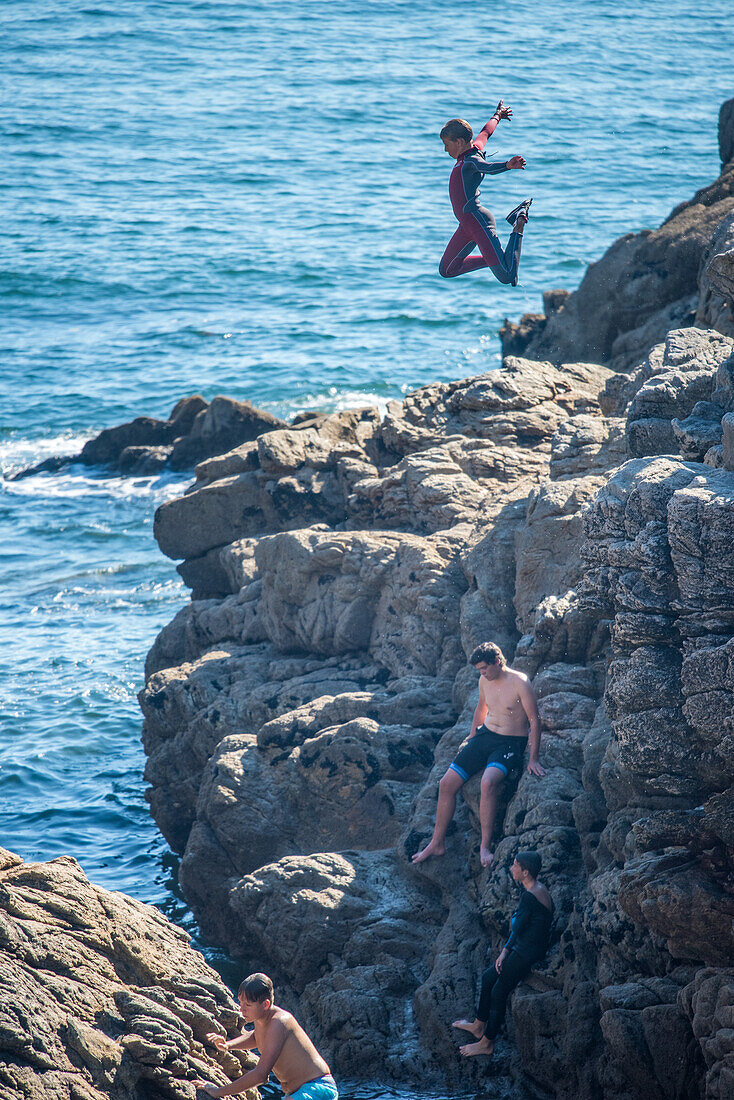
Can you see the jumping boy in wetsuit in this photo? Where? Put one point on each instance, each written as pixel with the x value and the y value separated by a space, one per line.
pixel 477 228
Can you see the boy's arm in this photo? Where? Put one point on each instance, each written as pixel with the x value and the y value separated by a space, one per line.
pixel 492 167
pixel 245 1041
pixel 489 127
pixel 530 706
pixel 271 1048
pixel 480 713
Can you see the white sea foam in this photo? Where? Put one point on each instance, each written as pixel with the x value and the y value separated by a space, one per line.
pixel 17 452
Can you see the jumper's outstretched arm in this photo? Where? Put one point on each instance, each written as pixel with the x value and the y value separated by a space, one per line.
pixel 489 127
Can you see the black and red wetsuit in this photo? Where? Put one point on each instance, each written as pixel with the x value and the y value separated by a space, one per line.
pixel 477 228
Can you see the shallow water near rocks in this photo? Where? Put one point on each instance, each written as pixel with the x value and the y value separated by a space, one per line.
pixel 252 200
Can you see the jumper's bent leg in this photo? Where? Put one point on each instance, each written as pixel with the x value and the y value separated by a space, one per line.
pixel 456 260
pixel 503 263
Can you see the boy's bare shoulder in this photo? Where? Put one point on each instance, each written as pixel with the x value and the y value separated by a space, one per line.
pixel 287 1019
pixel 518 675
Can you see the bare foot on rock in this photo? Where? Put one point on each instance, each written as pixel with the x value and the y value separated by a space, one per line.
pixel 484 1046
pixel 431 849
pixel 486 857
pixel 475 1028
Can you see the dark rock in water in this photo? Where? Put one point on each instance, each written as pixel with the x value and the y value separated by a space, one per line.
pixel 194 432
pixel 143 460
pixel 107 447
pixel 716 280
pixel 726 132
pixel 515 336
pixel 218 428
pixel 102 998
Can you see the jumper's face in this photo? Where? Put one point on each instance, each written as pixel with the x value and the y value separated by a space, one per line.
pixel 516 871
pixel 489 672
pixel 252 1010
pixel 455 146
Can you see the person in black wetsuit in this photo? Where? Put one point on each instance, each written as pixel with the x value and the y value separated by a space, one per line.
pixel 528 943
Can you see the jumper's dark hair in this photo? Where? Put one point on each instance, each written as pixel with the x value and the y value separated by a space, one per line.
pixel 456 129
pixel 256 987
pixel 530 862
pixel 488 653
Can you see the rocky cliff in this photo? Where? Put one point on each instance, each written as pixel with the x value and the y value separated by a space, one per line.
pixel 301 709
pixel 101 996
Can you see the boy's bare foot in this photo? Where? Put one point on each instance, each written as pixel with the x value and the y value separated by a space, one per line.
pixel 486 857
pixel 431 849
pixel 484 1046
pixel 476 1029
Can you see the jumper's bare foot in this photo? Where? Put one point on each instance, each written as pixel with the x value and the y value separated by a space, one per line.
pixel 475 1029
pixel 431 849
pixel 484 1046
pixel 486 857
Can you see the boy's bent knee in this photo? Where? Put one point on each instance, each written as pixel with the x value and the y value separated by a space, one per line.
pixel 450 781
pixel 492 777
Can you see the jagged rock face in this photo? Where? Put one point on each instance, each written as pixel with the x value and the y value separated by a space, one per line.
pixel 101 995
pixel 431 464
pixel 676 399
pixel 297 725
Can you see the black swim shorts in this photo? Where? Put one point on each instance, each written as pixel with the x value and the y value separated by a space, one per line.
pixel 487 749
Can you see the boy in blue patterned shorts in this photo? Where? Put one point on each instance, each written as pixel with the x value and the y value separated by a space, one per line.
pixel 285 1049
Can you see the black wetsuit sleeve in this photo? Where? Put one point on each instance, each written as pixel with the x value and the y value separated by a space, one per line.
pixel 531 929
pixel 519 920
pixel 487 167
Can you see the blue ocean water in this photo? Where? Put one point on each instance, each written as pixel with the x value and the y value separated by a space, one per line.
pixel 250 198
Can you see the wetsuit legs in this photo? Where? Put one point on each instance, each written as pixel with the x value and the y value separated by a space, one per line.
pixel 495 990
pixel 478 230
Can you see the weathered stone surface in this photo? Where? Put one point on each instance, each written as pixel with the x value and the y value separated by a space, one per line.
pixel 709 1003
pixel 548 545
pixel 584 444
pixel 664 397
pixel 101 995
pixel 727 441
pixel 393 596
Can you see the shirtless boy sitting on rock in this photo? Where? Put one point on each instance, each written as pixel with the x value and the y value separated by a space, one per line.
pixel 507 712
pixel 285 1049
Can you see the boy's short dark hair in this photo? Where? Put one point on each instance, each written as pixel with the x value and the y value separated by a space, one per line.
pixel 256 987
pixel 488 653
pixel 456 129
pixel 530 862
